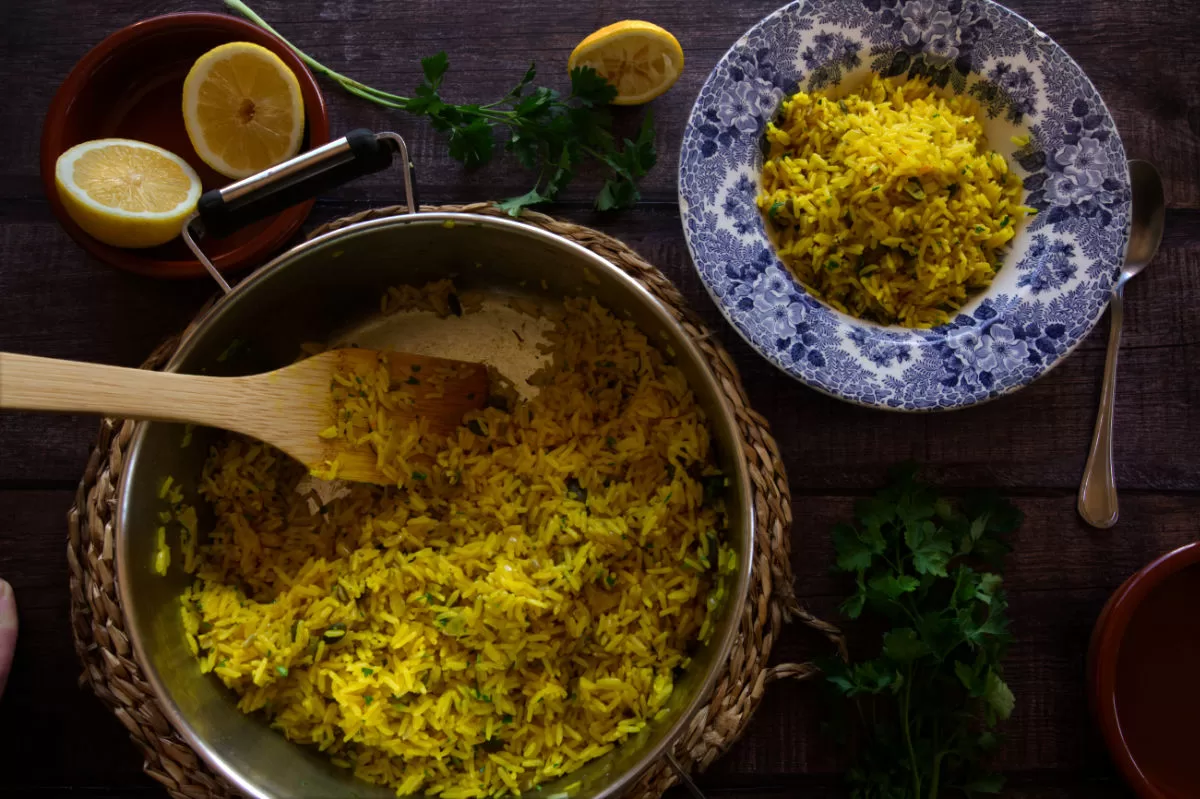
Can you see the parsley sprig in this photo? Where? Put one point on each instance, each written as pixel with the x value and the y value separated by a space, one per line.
pixel 547 133
pixel 930 700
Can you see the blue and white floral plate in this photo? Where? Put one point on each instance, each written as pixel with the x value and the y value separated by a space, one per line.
pixel 1055 281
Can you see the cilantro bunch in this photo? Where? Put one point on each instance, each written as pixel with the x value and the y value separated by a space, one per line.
pixel 929 701
pixel 548 133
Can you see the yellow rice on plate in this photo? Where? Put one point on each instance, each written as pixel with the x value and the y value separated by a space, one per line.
pixel 515 606
pixel 888 203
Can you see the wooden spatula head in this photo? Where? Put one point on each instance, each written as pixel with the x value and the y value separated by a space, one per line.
pixel 443 391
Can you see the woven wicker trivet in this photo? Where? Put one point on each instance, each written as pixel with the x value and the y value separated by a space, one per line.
pixel 112 670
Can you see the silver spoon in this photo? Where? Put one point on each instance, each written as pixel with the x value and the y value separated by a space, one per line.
pixel 1098 490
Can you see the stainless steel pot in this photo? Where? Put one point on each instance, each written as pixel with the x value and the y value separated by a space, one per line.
pixel 322 290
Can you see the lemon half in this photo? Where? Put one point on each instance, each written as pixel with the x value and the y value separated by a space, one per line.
pixel 126 193
pixel 641 59
pixel 242 109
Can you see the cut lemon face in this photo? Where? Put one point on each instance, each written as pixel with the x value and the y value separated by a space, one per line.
pixel 641 59
pixel 126 193
pixel 242 108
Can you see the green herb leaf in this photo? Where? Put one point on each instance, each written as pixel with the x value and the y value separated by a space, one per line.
pixel 561 175
pixel 629 165
pixel 526 79
pixel 536 103
pixel 526 148
pixel 999 696
pixel 966 585
pixel 936 689
pixel 904 645
pixel 853 554
pixel 837 673
pixel 893 586
pixel 853 607
pixel 591 88
pixel 426 101
pixel 872 677
pixel 334 633
pixel 914 189
pixel 966 676
pixel 472 143
pixel 940 631
pixel 435 67
pixel 988 587
pixel 513 205
pixel 930 551
pixel 617 193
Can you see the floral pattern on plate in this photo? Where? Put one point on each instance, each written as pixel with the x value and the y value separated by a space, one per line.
pixel 1057 278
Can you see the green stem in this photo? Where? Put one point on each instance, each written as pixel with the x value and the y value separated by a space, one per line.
pixel 937 760
pixel 367 96
pixel 593 153
pixel 937 773
pixel 912 755
pixel 503 117
pixel 351 85
pixel 958 575
pixel 499 102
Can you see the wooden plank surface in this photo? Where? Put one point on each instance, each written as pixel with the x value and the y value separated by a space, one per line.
pixel 56 739
pixel 54 734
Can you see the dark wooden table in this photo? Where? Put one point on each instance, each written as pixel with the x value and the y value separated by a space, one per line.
pixel 56 739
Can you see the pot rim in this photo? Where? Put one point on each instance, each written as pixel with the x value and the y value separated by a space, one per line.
pixel 1104 652
pixel 663 748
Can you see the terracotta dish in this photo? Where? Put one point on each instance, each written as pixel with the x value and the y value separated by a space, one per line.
pixel 130 86
pixel 1144 676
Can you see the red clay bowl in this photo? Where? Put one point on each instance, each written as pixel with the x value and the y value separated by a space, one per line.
pixel 1144 676
pixel 131 86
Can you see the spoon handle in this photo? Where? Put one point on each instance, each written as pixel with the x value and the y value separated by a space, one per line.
pixel 32 383
pixel 1098 489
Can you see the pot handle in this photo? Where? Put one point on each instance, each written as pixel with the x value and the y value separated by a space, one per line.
pixel 220 212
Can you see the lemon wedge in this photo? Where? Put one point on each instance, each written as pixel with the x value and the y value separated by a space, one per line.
pixel 126 193
pixel 242 109
pixel 641 59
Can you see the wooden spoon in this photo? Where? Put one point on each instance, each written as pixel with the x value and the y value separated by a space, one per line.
pixel 286 408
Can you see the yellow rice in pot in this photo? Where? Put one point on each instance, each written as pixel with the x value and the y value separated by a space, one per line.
pixel 515 606
pixel 888 203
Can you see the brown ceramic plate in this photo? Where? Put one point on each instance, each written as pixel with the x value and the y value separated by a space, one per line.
pixel 131 86
pixel 1144 676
